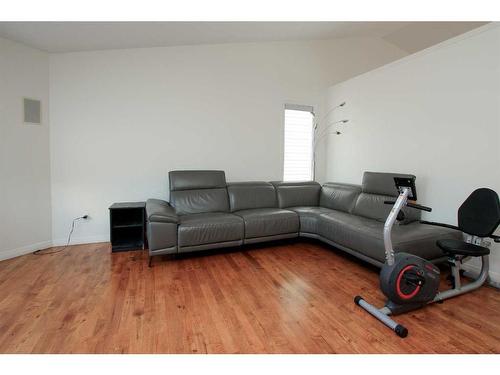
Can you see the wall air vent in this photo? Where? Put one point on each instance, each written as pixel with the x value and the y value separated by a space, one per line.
pixel 32 111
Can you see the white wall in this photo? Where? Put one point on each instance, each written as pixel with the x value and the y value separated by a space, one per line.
pixel 120 120
pixel 25 222
pixel 435 114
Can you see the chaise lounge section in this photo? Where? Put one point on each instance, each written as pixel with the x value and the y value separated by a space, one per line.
pixel 206 213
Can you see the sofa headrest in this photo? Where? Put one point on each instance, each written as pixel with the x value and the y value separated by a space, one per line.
pixel 295 194
pixel 249 184
pixel 295 183
pixel 190 180
pixel 381 183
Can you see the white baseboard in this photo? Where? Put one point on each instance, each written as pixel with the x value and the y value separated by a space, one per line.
pixel 494 276
pixel 80 240
pixel 13 253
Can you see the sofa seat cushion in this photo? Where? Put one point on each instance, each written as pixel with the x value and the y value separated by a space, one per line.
pixel 366 236
pixel 309 217
pixel 262 222
pixel 206 228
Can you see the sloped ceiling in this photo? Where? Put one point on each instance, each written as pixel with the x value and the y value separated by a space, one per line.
pixel 83 36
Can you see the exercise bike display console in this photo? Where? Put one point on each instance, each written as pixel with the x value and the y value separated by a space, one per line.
pixel 410 282
pixel 403 183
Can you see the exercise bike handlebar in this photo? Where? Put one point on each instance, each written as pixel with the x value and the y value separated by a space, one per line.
pixel 495 238
pixel 440 224
pixel 412 205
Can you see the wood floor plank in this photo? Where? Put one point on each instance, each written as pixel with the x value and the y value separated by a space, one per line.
pixel 289 297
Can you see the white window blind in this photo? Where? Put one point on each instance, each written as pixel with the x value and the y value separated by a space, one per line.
pixel 298 143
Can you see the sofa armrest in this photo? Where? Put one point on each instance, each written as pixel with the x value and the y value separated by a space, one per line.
pixel 159 211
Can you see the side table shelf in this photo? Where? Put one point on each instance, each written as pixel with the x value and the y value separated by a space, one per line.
pixel 127 222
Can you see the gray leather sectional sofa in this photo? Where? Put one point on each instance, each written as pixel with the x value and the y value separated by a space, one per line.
pixel 205 213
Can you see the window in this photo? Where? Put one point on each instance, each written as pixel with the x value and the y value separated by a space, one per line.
pixel 298 158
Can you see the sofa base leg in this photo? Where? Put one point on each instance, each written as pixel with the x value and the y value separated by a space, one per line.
pixel 149 262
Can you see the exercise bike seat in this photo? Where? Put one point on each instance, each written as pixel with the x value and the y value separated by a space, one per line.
pixel 457 247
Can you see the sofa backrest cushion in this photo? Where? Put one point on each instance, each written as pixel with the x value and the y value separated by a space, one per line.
pixel 248 195
pixel 338 196
pixel 198 191
pixel 377 188
pixel 295 194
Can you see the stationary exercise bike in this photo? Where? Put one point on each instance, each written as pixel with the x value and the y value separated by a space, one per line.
pixel 410 282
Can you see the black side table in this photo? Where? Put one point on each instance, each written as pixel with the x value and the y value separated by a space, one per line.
pixel 127 222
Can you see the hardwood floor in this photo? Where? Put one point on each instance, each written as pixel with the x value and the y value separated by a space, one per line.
pixel 294 297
